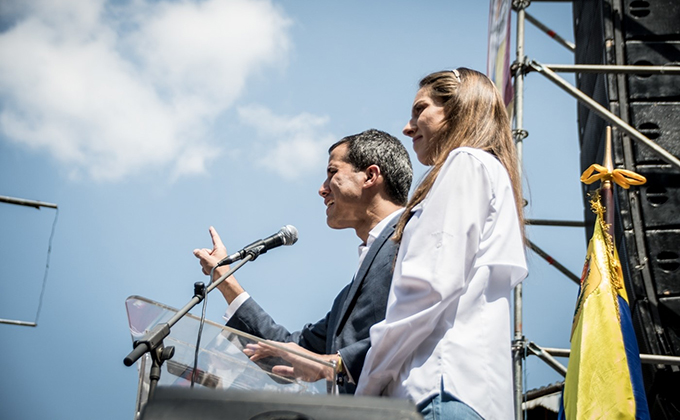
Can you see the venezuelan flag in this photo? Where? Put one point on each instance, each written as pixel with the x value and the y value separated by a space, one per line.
pixel 604 378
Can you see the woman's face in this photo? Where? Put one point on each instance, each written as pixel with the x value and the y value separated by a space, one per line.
pixel 427 117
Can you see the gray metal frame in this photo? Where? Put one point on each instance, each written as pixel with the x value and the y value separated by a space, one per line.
pixel 521 346
pixel 28 203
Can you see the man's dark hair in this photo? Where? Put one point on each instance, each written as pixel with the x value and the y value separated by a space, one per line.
pixel 375 147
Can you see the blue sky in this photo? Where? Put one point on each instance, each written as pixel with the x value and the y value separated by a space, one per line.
pixel 149 121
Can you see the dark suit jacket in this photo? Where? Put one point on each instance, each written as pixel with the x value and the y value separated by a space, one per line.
pixel 345 328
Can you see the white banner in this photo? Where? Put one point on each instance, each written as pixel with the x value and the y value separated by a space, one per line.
pixel 498 62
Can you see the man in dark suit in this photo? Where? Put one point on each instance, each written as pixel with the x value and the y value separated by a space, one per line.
pixel 368 178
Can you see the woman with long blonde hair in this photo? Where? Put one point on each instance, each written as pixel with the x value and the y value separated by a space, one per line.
pixel 445 342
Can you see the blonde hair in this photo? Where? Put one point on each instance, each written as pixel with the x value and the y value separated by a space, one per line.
pixel 474 116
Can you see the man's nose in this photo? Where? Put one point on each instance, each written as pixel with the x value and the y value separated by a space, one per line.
pixel 323 190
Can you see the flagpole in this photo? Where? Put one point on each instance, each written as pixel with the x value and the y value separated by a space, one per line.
pixel 606 189
pixel 604 352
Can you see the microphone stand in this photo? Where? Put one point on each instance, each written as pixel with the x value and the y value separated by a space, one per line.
pixel 152 341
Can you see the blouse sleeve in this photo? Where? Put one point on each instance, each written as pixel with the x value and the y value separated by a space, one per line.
pixel 437 257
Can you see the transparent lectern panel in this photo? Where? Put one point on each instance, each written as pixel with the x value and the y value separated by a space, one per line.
pixel 222 363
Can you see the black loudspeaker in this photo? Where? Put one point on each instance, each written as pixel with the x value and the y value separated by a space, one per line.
pixel 639 32
pixel 173 403
pixel 652 53
pixel 650 19
pixel 660 122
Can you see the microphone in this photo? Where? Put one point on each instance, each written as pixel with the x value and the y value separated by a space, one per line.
pixel 288 235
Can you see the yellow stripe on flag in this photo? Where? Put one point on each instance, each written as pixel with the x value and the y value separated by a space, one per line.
pixel 598 383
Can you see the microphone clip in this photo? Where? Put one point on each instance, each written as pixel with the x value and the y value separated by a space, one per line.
pixel 255 251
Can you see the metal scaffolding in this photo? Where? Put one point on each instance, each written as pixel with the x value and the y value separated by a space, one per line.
pixel 37 205
pixel 522 66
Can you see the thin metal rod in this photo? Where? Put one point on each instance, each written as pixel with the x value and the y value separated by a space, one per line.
pixel 518 337
pixel 24 202
pixel 22 323
pixel 644 358
pixel 546 390
pixel 670 69
pixel 547 358
pixel 557 352
pixel 563 223
pixel 604 112
pixel 562 269
pixel 552 34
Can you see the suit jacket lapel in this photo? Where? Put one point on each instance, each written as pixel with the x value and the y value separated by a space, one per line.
pixel 363 270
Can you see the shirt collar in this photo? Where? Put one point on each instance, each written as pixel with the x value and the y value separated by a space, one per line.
pixel 377 229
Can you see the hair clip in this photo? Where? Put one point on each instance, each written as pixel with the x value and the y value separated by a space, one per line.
pixel 456 74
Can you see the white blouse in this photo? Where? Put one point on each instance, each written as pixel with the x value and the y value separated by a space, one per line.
pixel 448 313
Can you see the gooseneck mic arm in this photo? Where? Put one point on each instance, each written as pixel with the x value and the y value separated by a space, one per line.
pixel 154 338
pixel 152 342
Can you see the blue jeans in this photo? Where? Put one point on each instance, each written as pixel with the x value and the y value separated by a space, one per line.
pixel 445 407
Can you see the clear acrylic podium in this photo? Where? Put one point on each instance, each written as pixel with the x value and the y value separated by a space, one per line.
pixel 221 361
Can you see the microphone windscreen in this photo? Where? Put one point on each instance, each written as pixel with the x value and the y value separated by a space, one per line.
pixel 290 234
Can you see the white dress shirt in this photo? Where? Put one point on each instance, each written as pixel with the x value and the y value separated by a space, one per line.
pixel 373 235
pixel 448 313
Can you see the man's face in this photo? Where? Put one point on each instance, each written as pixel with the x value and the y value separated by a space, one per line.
pixel 342 191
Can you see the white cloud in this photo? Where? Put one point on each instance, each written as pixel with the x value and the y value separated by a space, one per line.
pixel 109 90
pixel 296 145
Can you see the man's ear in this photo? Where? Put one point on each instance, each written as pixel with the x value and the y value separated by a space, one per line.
pixel 372 176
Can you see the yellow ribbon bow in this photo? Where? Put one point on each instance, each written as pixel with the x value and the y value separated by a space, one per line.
pixel 622 177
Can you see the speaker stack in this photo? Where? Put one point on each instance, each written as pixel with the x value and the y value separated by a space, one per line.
pixel 639 32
